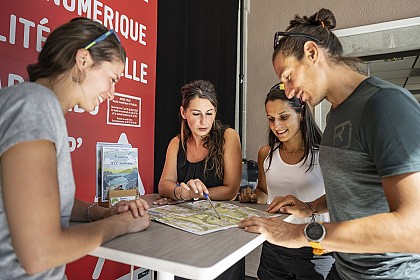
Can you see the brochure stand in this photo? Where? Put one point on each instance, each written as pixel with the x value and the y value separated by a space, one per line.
pixel 123 142
pixel 120 195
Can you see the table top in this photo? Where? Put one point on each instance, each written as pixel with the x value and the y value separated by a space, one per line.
pixel 167 249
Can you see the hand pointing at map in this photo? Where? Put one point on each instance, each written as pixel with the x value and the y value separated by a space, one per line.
pixel 196 189
pixel 193 189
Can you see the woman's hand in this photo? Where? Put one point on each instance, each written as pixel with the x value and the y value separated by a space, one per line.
pixel 194 189
pixel 137 207
pixel 133 224
pixel 248 195
pixel 291 205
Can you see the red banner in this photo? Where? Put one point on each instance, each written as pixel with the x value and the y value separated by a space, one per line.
pixel 24 27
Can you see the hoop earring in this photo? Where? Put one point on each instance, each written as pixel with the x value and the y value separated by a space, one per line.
pixel 78 77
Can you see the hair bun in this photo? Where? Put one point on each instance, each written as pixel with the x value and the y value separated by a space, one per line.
pixel 325 18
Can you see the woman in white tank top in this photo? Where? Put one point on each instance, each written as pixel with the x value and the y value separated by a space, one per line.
pixel 288 170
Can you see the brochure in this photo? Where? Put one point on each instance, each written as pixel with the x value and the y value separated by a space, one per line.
pixel 99 146
pixel 119 169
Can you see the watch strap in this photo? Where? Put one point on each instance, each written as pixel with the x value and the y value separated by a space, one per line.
pixel 317 248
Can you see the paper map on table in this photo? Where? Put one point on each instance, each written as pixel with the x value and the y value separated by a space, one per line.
pixel 199 218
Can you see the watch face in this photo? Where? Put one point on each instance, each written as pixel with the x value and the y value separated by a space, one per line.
pixel 315 231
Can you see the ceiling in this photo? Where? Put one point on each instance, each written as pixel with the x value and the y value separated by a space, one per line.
pixel 400 70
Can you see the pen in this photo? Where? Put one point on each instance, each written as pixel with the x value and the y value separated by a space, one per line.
pixel 211 203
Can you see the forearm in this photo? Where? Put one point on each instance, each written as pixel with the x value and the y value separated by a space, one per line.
pixel 223 192
pixel 393 231
pixel 80 211
pixel 261 195
pixel 387 232
pixel 166 189
pixel 320 205
pixel 65 245
pixel 87 237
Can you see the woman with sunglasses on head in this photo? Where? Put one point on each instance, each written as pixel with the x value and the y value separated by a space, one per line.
pixel 369 156
pixel 288 169
pixel 80 63
pixel 205 158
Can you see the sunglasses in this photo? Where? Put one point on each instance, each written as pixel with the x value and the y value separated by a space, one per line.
pixel 103 37
pixel 279 35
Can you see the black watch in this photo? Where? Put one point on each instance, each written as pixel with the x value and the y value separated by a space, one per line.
pixel 315 233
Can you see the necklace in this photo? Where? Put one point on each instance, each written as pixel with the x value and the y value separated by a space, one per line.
pixel 293 153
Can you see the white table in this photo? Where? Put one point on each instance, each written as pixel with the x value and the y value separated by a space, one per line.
pixel 171 251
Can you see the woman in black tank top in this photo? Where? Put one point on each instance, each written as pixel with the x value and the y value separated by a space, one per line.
pixel 204 158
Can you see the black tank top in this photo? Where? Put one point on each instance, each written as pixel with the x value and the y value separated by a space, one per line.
pixel 195 170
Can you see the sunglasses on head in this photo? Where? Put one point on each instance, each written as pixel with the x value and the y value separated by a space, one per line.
pixel 279 35
pixel 280 86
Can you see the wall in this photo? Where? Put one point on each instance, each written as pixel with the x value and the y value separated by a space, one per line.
pixel 268 16
pixel 196 40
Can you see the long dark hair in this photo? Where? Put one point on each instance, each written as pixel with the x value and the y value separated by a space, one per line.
pixel 308 127
pixel 214 141
pixel 319 26
pixel 58 53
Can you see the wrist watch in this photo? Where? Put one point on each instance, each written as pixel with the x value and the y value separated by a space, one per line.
pixel 315 233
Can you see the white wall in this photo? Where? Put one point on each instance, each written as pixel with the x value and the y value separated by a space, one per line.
pixel 268 16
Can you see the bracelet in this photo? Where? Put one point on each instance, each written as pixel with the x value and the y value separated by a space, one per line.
pixel 88 218
pixel 313 212
pixel 177 185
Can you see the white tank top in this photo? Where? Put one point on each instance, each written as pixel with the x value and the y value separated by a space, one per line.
pixel 292 179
